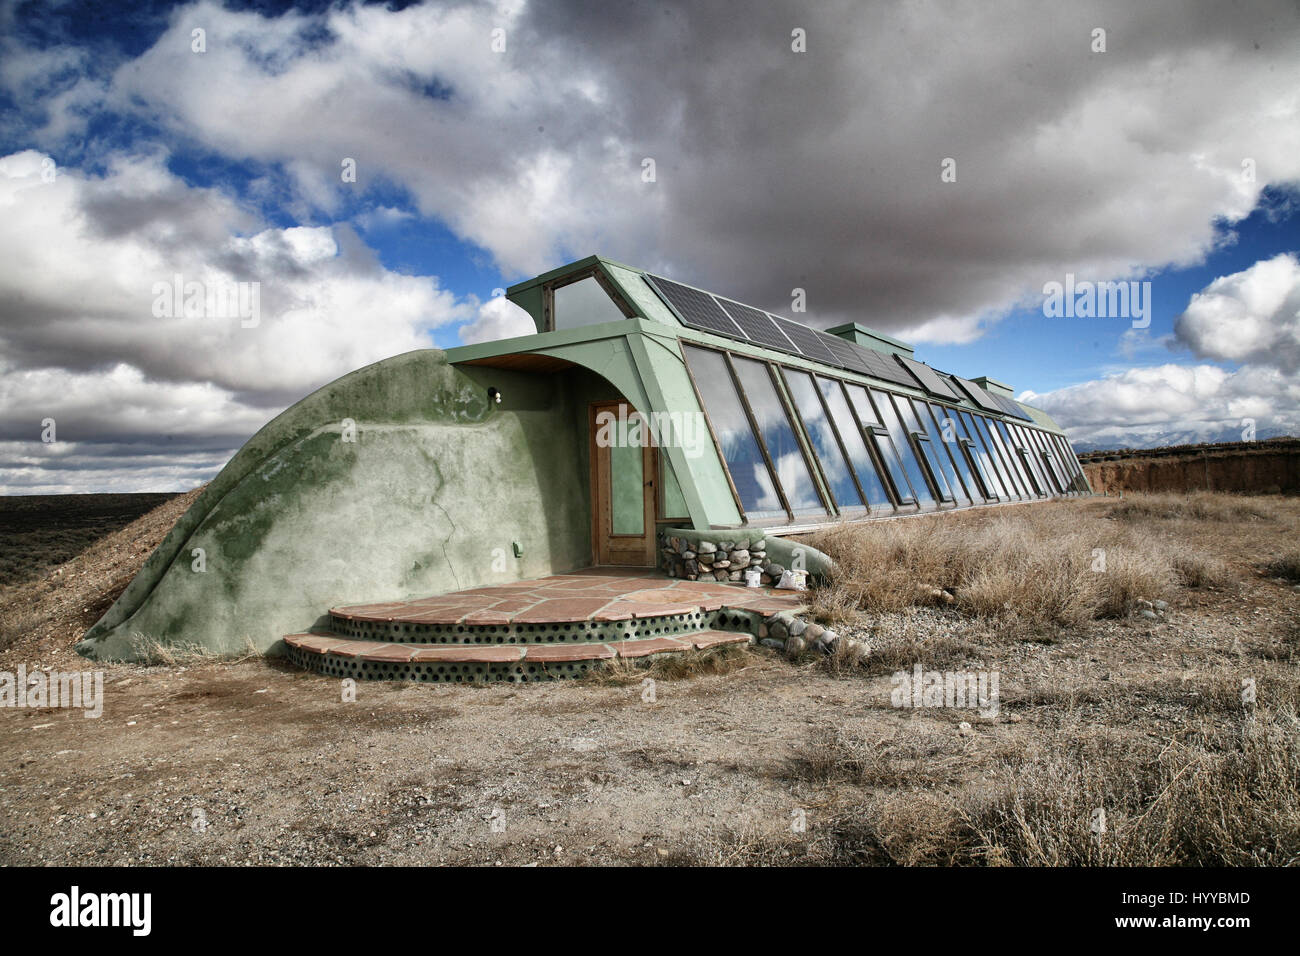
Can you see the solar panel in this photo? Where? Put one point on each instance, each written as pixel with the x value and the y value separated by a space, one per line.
pixel 1010 406
pixel 758 325
pixel 927 378
pixel 882 366
pixel 845 354
pixel 977 395
pixel 697 309
pixel 806 340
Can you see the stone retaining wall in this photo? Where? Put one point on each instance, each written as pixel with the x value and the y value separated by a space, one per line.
pixel 722 558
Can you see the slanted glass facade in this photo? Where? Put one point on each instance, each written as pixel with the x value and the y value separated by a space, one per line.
pixel 801 447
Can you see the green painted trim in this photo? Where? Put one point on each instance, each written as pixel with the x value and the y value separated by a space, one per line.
pixel 702 478
pixel 560 272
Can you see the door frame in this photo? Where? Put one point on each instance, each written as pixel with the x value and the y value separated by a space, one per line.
pixel 641 549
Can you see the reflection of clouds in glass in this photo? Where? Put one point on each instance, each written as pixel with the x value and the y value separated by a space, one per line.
pixel 832 460
pixel 793 475
pixel 768 499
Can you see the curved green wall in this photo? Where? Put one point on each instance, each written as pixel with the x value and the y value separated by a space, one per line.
pixel 432 496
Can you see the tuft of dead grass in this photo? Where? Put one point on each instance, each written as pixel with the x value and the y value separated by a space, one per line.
pixel 1200 571
pixel 151 652
pixel 1285 566
pixel 621 671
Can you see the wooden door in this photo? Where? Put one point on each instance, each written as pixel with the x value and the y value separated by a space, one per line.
pixel 623 488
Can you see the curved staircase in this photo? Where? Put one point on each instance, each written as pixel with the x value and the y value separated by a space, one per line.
pixel 555 627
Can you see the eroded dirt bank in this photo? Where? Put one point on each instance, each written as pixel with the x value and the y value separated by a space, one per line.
pixel 1262 468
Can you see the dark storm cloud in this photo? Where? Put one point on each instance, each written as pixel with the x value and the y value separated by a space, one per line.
pixel 821 169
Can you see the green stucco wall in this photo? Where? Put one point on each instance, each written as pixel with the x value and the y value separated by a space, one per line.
pixel 431 497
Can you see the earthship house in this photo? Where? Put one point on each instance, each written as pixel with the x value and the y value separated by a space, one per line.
pixel 647 424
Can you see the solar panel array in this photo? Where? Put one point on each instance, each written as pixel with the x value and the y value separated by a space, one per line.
pixel 709 313
pixel 806 341
pixel 880 365
pixel 697 309
pixel 847 354
pixel 758 325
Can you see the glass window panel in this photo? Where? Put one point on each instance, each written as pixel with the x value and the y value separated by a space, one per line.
pixel 1010 475
pixel 1047 455
pixel 778 435
pixel 889 417
pixel 855 443
pixel 1036 459
pixel 627 487
pixel 915 411
pixel 1071 457
pixel 885 450
pixel 980 448
pixel 931 457
pixel 1077 483
pixel 1062 461
pixel 1000 466
pixel 866 412
pixel 972 452
pixel 952 431
pixel 822 435
pixel 740 449
pixel 584 303
pixel 1066 459
pixel 920 441
pixel 1017 465
pixel 1027 459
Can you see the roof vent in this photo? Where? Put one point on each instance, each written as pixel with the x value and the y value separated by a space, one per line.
pixel 994 386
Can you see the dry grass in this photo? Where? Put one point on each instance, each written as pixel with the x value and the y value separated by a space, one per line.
pixel 40 532
pixel 1196 570
pixel 1224 797
pixel 151 652
pixel 1219 795
pixel 621 671
pixel 1196 506
pixel 1285 566
pixel 1052 565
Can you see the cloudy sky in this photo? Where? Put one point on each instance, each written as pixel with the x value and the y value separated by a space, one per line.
pixel 929 169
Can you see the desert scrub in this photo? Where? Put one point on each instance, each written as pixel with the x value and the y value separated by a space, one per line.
pixel 1042 567
pixel 1225 797
pixel 1197 506
pixel 1285 566
pixel 1222 794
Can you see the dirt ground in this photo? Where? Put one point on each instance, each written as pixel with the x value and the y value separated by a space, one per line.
pixel 252 762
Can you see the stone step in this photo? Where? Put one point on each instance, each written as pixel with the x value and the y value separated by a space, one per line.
pixel 341 656
pixel 400 630
pixel 594 606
